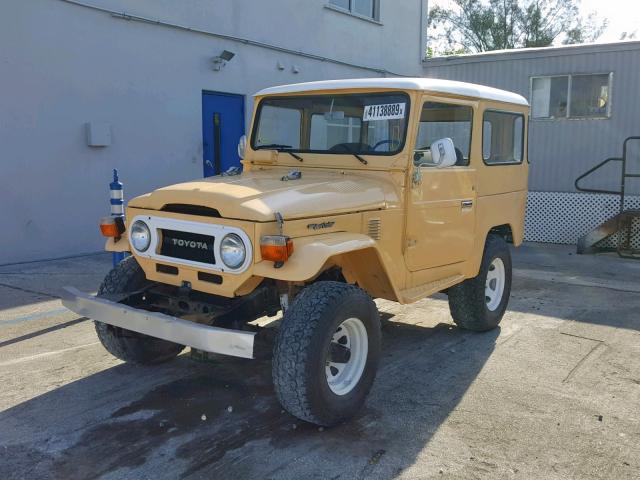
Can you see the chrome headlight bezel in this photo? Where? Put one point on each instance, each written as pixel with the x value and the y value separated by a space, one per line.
pixel 140 232
pixel 238 248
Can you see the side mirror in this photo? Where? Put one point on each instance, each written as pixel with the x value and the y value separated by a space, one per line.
pixel 443 153
pixel 242 146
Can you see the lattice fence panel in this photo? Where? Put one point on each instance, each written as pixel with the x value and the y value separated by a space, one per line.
pixel 563 217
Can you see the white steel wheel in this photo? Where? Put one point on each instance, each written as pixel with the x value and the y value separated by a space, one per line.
pixel 347 356
pixel 494 284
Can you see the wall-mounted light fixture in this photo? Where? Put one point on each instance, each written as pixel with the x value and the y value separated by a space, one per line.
pixel 221 60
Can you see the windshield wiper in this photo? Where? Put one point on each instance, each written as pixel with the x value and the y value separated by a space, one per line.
pixel 297 157
pixel 279 147
pixel 348 150
pixel 273 146
pixel 362 160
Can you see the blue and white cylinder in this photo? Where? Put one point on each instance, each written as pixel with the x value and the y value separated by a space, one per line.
pixel 116 194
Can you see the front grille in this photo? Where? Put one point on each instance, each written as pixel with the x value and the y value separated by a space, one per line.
pixel 187 246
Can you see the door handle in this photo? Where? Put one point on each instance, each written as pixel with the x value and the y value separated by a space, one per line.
pixel 466 203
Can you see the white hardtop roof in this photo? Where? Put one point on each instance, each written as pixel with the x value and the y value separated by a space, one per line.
pixel 434 85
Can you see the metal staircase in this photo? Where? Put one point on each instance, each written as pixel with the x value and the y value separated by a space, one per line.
pixel 621 232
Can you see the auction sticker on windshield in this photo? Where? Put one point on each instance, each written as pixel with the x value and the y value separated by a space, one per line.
pixel 387 111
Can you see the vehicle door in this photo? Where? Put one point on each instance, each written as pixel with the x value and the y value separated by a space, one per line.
pixel 441 210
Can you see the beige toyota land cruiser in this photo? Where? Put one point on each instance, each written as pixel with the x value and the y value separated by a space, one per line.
pixel 350 190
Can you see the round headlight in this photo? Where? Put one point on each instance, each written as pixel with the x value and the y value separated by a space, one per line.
pixel 232 251
pixel 140 236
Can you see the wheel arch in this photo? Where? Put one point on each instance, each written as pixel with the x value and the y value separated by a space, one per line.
pixel 356 255
pixel 506 231
pixel 365 268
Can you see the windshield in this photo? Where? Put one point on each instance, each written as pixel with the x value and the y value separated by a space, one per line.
pixel 370 123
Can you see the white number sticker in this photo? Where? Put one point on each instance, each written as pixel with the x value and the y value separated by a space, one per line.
pixel 387 111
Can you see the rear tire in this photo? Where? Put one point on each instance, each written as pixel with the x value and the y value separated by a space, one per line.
pixel 124 344
pixel 479 303
pixel 327 353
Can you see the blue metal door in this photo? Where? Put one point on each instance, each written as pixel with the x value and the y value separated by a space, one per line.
pixel 222 127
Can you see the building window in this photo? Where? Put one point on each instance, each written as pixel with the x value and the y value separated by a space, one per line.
pixel 571 96
pixel 443 120
pixel 363 8
pixel 502 137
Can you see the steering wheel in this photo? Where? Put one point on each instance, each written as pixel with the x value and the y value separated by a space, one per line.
pixel 385 142
pixel 418 154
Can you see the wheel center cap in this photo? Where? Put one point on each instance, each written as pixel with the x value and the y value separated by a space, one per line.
pixel 339 353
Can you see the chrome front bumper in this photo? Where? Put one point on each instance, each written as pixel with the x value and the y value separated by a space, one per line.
pixel 203 337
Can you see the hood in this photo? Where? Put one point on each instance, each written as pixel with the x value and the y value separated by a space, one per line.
pixel 258 195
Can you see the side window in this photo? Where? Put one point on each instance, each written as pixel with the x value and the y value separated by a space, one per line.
pixel 444 120
pixel 502 137
pixel 486 140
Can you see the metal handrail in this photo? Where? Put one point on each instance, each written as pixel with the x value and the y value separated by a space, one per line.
pixel 590 171
pixel 624 175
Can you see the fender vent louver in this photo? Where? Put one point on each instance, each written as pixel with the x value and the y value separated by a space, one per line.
pixel 375 229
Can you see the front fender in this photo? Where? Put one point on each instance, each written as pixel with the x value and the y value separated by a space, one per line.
pixel 121 245
pixel 311 253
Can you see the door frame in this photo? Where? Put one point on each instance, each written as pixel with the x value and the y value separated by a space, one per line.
pixel 241 96
pixel 469 170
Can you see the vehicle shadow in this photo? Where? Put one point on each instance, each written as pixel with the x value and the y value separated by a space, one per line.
pixel 187 419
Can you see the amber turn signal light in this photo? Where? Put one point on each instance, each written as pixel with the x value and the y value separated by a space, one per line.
pixel 276 248
pixel 112 226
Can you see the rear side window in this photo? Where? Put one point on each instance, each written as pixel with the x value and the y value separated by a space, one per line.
pixel 502 137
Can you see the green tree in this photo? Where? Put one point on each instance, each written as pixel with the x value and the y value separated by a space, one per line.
pixel 482 25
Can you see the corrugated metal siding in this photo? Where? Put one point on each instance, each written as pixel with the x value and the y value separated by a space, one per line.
pixel 560 150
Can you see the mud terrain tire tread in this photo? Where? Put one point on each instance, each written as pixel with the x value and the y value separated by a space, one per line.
pixel 467 300
pixel 310 318
pixel 124 344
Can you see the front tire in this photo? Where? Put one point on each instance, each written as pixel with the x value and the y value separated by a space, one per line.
pixel 327 353
pixel 479 303
pixel 124 344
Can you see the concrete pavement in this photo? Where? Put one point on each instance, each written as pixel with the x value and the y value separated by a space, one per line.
pixel 554 393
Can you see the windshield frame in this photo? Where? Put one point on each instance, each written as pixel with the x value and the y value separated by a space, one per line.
pixel 399 150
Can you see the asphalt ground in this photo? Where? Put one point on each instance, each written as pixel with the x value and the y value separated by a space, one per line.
pixel 554 393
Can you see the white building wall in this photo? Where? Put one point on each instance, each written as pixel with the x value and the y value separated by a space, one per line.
pixel 63 65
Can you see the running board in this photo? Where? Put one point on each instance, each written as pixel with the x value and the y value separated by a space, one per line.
pixel 414 294
pixel 224 341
